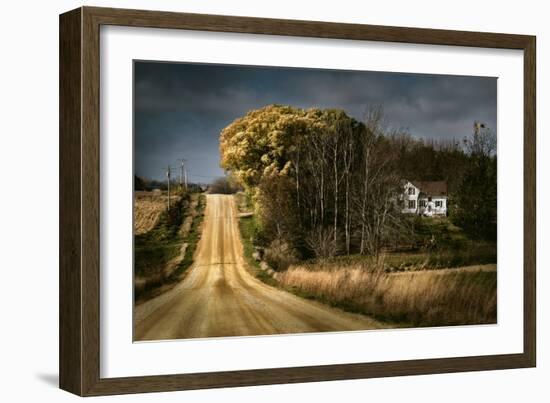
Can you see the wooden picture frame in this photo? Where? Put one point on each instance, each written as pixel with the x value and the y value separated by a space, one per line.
pixel 80 198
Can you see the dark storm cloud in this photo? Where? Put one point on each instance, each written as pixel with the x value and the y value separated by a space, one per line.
pixel 180 109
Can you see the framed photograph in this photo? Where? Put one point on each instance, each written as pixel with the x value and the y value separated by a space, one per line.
pixel 249 201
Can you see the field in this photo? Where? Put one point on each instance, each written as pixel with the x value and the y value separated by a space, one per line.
pixel 148 207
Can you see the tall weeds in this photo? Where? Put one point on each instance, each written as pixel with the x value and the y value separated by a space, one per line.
pixel 423 298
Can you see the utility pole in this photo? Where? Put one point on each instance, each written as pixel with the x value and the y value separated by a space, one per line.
pixel 185 178
pixel 183 175
pixel 168 175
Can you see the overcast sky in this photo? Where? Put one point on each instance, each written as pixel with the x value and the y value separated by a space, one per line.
pixel 181 108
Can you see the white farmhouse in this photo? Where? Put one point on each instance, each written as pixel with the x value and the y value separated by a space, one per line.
pixel 425 198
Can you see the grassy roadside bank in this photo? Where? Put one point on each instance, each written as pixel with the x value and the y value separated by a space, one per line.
pixel 192 237
pixel 248 228
pixel 163 254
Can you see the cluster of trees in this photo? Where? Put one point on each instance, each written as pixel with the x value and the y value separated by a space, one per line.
pixel 475 202
pixel 141 184
pixel 224 185
pixel 145 184
pixel 324 183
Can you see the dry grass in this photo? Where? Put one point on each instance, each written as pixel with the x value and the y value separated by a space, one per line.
pixel 148 207
pixel 421 298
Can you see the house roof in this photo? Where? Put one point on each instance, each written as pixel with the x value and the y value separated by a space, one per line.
pixel 432 188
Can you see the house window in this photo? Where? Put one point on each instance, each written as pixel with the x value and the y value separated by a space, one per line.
pixel 421 203
pixel 412 203
pixel 438 203
pixel 411 191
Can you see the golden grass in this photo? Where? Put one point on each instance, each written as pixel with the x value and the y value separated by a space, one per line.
pixel 148 207
pixel 421 298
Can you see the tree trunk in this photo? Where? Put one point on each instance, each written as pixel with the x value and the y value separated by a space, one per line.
pixel 297 167
pixel 364 202
pixel 336 186
pixel 348 158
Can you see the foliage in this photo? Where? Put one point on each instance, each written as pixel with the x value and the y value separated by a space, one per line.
pixel 139 183
pixel 249 229
pixel 262 141
pixel 301 168
pixel 476 199
pixel 280 255
pixel 224 185
pixel 326 184
pixel 277 212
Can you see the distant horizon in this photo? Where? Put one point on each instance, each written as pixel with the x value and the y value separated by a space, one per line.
pixel 181 108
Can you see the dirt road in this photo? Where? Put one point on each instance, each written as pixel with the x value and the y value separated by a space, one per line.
pixel 219 297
